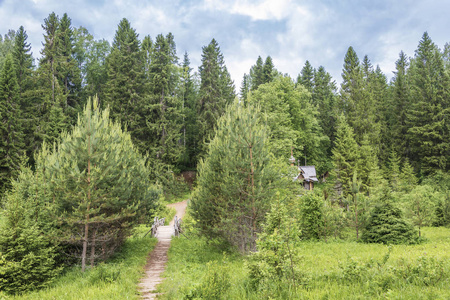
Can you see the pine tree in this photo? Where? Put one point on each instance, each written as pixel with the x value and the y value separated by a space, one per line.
pixel 216 90
pixel 228 203
pixel 12 146
pixel 345 157
pixel 97 183
pixel 367 166
pixel 428 133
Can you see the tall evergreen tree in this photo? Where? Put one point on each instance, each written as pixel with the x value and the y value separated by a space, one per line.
pixel 126 88
pixel 191 138
pixel 268 70
pixel 165 121
pixel 245 87
pixel 12 146
pixel 236 179
pixel 216 90
pixel 23 59
pixel 427 118
pixel 324 96
pixel 400 100
pixel 256 74
pixel 357 101
pixel 345 157
pixel 306 77
pixel 68 72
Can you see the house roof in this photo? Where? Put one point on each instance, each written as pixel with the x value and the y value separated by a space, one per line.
pixel 308 173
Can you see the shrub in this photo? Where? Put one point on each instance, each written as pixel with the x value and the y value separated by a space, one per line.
pixel 311 216
pixel 386 225
pixel 28 259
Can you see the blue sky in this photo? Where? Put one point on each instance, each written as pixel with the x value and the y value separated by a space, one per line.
pixel 291 32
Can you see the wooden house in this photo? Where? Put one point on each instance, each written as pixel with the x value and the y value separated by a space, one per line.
pixel 307 176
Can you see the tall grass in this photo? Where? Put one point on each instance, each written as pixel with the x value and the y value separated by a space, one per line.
pixel 328 270
pixel 115 279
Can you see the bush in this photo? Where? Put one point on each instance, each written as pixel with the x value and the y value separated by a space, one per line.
pixel 311 216
pixel 28 259
pixel 386 225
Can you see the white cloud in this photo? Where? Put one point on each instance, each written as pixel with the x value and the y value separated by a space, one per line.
pixel 256 10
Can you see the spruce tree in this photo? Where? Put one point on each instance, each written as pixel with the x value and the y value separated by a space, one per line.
pixel 427 117
pixel 126 89
pixel 306 77
pixel 357 101
pixel 245 87
pixel 165 119
pixel 397 111
pixel 23 60
pixel 216 90
pixel 12 146
pixel 345 157
pixel 191 138
pixel 256 74
pixel 268 70
pixel 324 96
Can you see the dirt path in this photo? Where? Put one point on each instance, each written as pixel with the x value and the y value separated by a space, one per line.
pixel 158 258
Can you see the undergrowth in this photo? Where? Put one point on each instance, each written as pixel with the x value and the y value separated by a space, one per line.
pixel 116 278
pixel 201 269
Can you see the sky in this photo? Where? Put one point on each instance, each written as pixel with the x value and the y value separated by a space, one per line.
pixel 291 32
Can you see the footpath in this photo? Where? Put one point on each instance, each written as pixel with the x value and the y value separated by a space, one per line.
pixel 157 260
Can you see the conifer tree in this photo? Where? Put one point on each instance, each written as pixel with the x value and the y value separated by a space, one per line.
pixel 23 60
pixel 257 74
pixel 216 90
pixel 245 87
pixel 191 137
pixel 356 101
pixel 324 96
pixel 345 157
pixel 427 118
pixel 126 88
pixel 268 70
pixel 165 121
pixel 396 121
pixel 236 179
pixel 306 77
pixel 12 146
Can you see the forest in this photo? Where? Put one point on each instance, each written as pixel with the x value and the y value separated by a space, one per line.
pixel 95 135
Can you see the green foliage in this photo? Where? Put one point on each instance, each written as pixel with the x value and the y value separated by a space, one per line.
pixel 29 257
pixel 236 179
pixel 214 284
pixel 427 133
pixel 12 146
pixel 215 93
pixel 386 225
pixel 289 113
pixel 311 216
pixel 345 157
pixel 276 259
pixel 94 186
pixel 116 278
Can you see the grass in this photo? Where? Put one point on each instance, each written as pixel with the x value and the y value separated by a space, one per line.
pixel 335 269
pixel 115 279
